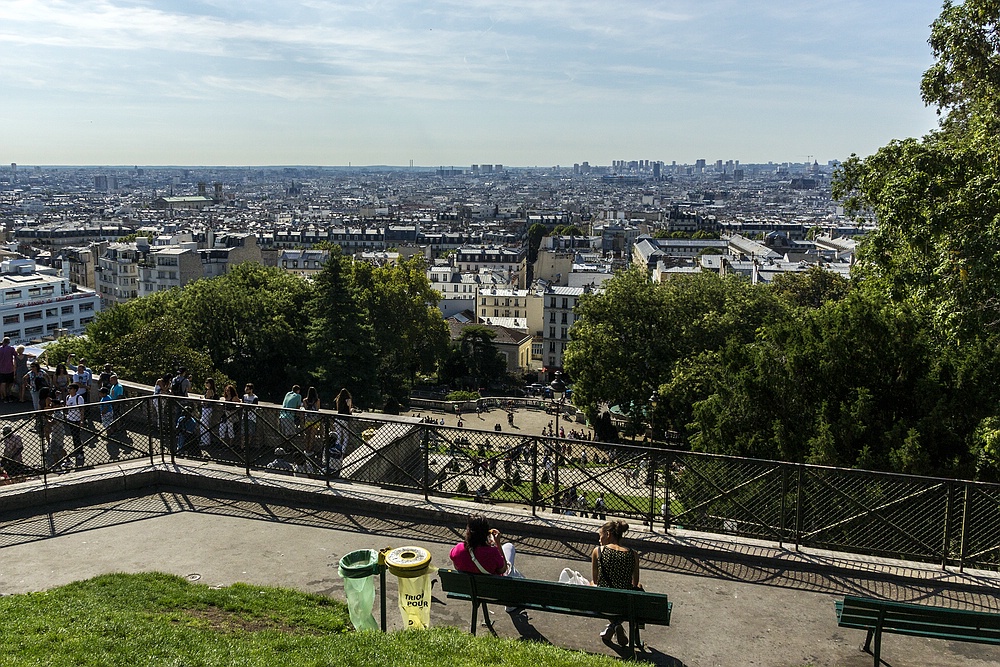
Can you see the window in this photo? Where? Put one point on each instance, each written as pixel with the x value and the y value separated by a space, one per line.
pixel 565 303
pixel 47 290
pixel 563 334
pixel 84 307
pixel 51 326
pixel 552 332
pixel 12 294
pixel 33 315
pixel 552 302
pixel 11 319
pixel 86 320
pixel 67 310
pixel 552 318
pixel 552 346
pixel 33 331
pixel 13 334
pixel 564 318
pixel 68 324
pixel 34 291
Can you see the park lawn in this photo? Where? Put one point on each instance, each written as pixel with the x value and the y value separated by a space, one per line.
pixel 157 619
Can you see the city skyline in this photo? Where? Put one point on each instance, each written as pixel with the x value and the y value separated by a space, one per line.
pixel 322 82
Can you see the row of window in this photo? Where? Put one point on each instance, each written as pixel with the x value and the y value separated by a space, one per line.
pixel 32 315
pixel 563 332
pixel 38 330
pixel 42 290
pixel 566 318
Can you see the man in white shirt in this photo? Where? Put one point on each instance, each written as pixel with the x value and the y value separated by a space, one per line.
pixel 74 419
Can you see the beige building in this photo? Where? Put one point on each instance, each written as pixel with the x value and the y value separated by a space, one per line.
pixel 172 266
pixel 118 273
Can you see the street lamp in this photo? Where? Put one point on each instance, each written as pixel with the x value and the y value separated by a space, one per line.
pixel 653 400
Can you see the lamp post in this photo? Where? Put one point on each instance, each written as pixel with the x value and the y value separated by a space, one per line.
pixel 653 400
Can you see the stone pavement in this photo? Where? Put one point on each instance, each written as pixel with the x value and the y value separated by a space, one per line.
pixel 735 602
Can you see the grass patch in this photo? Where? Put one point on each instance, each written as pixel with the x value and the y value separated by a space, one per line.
pixel 158 619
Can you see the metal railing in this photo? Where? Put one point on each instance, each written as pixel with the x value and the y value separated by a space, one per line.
pixel 947 521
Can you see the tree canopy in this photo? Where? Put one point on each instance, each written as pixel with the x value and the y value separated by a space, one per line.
pixel 895 369
pixel 370 329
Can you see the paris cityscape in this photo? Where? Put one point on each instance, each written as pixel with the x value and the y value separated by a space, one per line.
pixel 342 333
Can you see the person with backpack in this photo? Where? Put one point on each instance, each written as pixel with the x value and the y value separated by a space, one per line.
pixel 34 380
pixel 180 385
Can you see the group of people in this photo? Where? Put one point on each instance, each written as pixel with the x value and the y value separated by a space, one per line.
pixel 21 374
pixel 613 565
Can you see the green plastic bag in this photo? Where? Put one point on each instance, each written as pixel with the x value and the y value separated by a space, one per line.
pixel 360 595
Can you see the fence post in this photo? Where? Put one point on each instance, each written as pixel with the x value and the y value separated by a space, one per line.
pixel 173 408
pixel 534 476
pixel 946 541
pixel 798 504
pixel 426 446
pixel 244 419
pixel 651 480
pixel 668 468
pixel 965 528
pixel 781 516
pixel 151 412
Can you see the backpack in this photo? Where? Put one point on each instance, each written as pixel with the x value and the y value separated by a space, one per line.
pixel 177 386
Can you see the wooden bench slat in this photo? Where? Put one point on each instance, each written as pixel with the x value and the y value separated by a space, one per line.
pixel 555 597
pixel 879 616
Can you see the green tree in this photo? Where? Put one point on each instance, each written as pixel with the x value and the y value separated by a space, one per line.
pixel 409 334
pixel 340 338
pixel 250 319
pixel 473 359
pixel 812 288
pixel 629 339
pixel 535 235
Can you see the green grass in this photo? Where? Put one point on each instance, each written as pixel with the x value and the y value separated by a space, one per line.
pixel 163 620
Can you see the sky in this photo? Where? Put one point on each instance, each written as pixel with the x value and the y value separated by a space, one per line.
pixel 457 82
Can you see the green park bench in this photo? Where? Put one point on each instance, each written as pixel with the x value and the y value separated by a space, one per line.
pixel 608 603
pixel 903 618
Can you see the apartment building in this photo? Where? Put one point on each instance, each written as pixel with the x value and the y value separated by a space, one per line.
pixel 35 304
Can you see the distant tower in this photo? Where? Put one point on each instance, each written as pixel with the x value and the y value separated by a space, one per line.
pixel 656 171
pixel 201 189
pixel 13 172
pixel 218 193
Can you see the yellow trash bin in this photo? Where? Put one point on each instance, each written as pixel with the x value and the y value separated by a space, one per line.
pixel 412 567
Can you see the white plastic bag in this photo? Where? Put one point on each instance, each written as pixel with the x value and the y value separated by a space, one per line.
pixel 568 576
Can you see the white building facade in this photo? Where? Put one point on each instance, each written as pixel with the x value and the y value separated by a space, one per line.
pixel 35 305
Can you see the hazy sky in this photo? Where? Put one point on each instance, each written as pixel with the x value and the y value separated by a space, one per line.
pixel 455 82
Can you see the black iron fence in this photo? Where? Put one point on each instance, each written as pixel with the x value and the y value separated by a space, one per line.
pixel 952 522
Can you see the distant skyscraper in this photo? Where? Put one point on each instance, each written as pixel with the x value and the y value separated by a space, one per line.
pixel 13 172
pixel 101 183
pixel 656 170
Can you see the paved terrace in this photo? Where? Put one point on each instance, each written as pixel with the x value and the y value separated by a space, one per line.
pixel 737 602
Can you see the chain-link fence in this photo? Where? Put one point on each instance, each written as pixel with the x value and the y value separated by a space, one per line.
pixel 938 520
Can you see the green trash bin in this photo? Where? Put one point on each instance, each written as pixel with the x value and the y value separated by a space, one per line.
pixel 358 569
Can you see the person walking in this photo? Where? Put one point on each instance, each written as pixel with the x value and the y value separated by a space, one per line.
pixel 8 367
